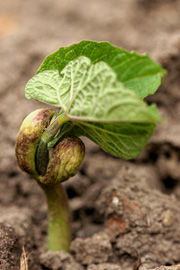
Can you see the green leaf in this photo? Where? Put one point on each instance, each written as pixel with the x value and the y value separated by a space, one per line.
pixel 100 88
pixel 90 92
pixel 121 140
pixel 137 72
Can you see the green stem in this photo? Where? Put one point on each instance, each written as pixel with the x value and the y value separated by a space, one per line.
pixel 42 154
pixel 59 231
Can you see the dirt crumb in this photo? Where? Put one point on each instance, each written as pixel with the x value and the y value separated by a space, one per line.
pixel 97 249
pixel 104 266
pixel 59 260
pixel 10 248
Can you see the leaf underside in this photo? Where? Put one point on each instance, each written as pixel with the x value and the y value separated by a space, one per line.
pixel 88 92
pixel 121 140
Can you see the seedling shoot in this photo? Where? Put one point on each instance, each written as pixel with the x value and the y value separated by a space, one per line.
pixel 96 90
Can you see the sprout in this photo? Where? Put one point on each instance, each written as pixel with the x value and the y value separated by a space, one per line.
pixel 62 164
pixel 99 92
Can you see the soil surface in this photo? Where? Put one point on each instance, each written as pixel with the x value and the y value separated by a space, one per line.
pixel 125 214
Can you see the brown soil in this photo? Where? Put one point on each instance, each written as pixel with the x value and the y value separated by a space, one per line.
pixel 125 215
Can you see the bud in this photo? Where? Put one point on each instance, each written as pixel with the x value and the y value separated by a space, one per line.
pixel 28 138
pixel 64 161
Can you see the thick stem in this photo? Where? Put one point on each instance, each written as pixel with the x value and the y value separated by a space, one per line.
pixel 59 231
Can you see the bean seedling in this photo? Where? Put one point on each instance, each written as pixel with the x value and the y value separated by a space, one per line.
pixel 98 91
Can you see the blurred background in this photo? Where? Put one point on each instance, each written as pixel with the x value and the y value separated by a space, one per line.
pixel 31 30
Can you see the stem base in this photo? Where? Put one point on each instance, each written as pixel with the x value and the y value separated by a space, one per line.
pixel 59 231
